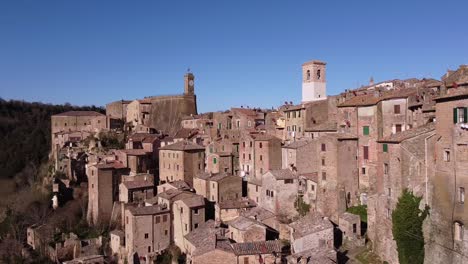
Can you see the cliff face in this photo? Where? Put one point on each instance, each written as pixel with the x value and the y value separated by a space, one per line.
pixel 167 111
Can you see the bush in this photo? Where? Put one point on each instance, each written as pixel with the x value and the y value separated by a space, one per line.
pixel 360 210
pixel 407 221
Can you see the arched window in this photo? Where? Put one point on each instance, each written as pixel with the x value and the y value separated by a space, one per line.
pixel 458 231
pixel 318 74
pixel 308 75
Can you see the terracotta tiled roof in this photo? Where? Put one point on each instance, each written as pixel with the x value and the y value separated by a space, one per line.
pixel 454 93
pixel 183 146
pixel 310 224
pixel 237 204
pixel 215 176
pixel 327 126
pixel 138 184
pixel 459 77
pixel 258 213
pixel 110 165
pixel 135 152
pixel 186 133
pixel 265 137
pixel 284 174
pixel 244 223
pixel 80 113
pixel 407 134
pixel 194 201
pixel 313 176
pixel 371 99
pixel 144 137
pixel 297 144
pixel 256 248
pixel 147 210
pixel 314 62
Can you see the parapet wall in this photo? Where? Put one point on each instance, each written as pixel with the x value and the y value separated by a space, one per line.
pixel 167 111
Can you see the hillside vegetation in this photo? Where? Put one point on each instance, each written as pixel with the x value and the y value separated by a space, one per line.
pixel 25 134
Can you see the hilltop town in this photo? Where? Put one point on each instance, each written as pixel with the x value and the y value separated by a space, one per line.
pixel 311 182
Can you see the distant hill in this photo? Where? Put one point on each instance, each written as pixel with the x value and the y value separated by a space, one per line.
pixel 25 133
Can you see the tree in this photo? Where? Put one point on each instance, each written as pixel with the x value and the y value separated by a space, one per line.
pixel 301 207
pixel 407 221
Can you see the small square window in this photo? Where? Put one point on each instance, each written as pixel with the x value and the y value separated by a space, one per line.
pixel 447 155
pixel 396 109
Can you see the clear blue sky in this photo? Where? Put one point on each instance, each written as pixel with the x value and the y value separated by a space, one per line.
pixel 241 52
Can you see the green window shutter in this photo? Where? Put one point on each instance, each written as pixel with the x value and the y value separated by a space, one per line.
pixel 465 117
pixel 214 160
pixel 365 130
pixel 455 115
pixel 385 148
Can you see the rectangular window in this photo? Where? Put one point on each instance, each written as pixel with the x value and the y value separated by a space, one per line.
pixel 323 162
pixel 272 194
pixel 246 259
pixel 446 155
pixel 398 128
pixel 185 227
pixel 385 147
pixel 146 235
pixel 324 176
pixel 195 211
pixel 288 181
pixel 158 219
pixel 250 156
pixel 389 192
pixel 195 226
pixel 214 160
pixel 324 147
pixel 365 130
pixel 149 249
pixel 363 171
pixel 385 168
pixel 461 194
pixel 365 150
pixel 166 232
pixel 261 157
pixel 396 109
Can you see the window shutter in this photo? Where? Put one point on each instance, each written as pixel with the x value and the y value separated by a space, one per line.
pixel 385 148
pixel 465 116
pixel 455 115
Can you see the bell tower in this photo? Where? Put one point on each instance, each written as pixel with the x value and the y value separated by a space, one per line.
pixel 314 84
pixel 189 83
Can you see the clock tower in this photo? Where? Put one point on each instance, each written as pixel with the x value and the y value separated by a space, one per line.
pixel 189 83
pixel 314 84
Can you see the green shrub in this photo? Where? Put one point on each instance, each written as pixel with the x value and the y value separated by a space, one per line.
pixel 360 210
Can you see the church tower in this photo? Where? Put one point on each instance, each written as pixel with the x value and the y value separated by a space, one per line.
pixel 189 84
pixel 314 84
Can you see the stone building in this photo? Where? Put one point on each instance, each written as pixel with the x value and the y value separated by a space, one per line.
pixel 308 188
pixel 219 162
pixel 116 113
pixel 202 240
pixel 137 160
pixel 163 113
pixel 297 155
pixel 448 215
pixel 231 209
pixel 75 121
pixel 350 225
pixel 266 155
pixel 189 214
pixel 147 231
pixel 279 192
pixel 310 232
pixel 244 229
pixel 103 190
pixel 175 185
pixel 181 161
pixel 136 191
pixel 294 121
pixel 338 182
pixel 218 187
